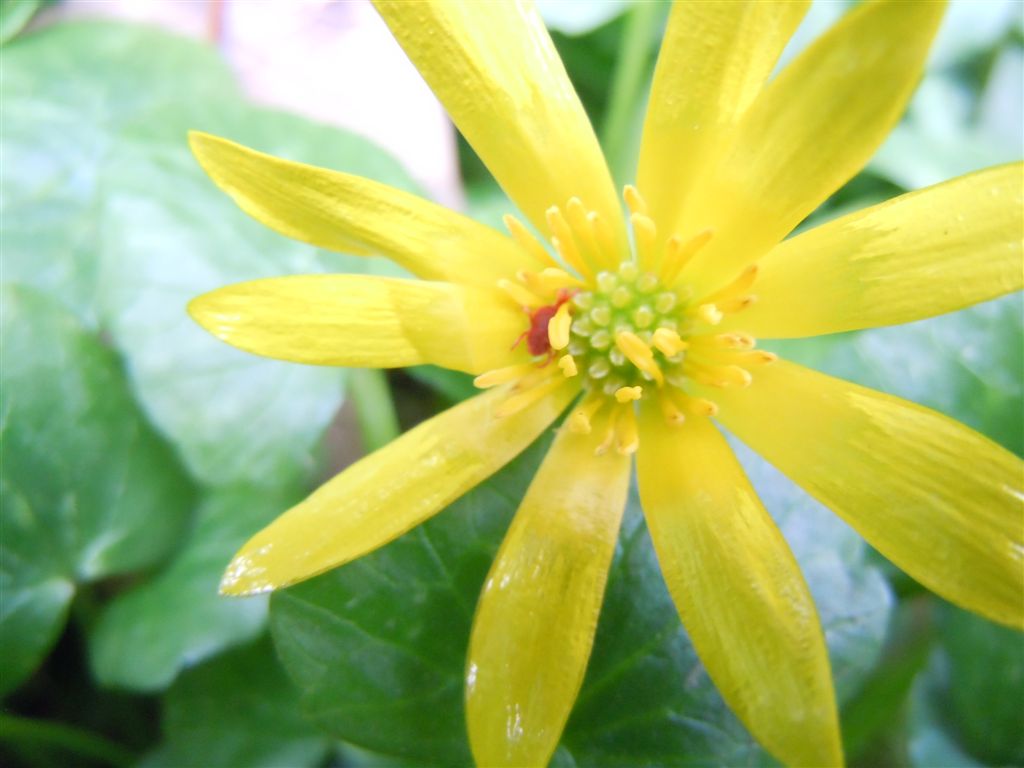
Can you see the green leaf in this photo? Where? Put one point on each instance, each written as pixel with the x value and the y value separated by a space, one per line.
pixel 378 647
pixel 89 490
pixel 237 710
pixel 14 15
pixel 977 685
pixel 175 620
pixel 110 212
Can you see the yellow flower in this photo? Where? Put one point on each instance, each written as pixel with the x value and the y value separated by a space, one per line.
pixel 654 342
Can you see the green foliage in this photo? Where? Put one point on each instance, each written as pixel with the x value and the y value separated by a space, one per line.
pixel 237 710
pixel 89 490
pixel 176 619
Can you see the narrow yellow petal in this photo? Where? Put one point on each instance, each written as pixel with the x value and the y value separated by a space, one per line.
pixel 364 321
pixel 495 69
pixel 738 590
pixel 713 61
pixel 941 501
pixel 385 494
pixel 810 130
pixel 535 622
pixel 919 255
pixel 355 215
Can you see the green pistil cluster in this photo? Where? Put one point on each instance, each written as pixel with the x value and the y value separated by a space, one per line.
pixel 627 300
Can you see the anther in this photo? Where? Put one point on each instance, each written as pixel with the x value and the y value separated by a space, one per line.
pixel 563 241
pixel 520 294
pixel 738 286
pixel 695 406
pixel 628 394
pixel 678 254
pixel 668 342
pixel 603 236
pixel 634 200
pixel 646 234
pixel 718 375
pixel 626 434
pixel 732 306
pixel 609 435
pixel 639 354
pixel 709 313
pixel 576 213
pixel 502 375
pixel 558 327
pixel 568 366
pixel 669 410
pixel 518 402
pixel 526 241
pixel 734 340
pixel 579 420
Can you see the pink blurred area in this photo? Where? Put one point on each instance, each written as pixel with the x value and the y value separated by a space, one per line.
pixel 330 60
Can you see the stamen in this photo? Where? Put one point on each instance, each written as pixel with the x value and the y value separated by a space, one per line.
pixel 639 354
pixel 520 294
pixel 758 357
pixel 718 375
pixel 627 436
pixel 678 254
pixel 732 306
pixel 563 240
pixel 709 313
pixel 634 200
pixel 522 400
pixel 646 234
pixel 695 406
pixel 609 435
pixel 668 342
pixel 738 286
pixel 568 366
pixel 627 394
pixel 549 280
pixel 558 327
pixel 735 340
pixel 504 375
pixel 579 420
pixel 526 240
pixel 673 415
pixel 603 237
pixel 581 229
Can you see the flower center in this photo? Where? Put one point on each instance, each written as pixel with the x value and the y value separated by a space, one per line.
pixel 630 333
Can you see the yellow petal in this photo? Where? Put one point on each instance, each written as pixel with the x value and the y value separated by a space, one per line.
pixel 713 61
pixel 920 255
pixel 364 321
pixel 388 492
pixel 810 130
pixel 941 501
pixel 495 69
pixel 537 614
pixel 355 215
pixel 738 589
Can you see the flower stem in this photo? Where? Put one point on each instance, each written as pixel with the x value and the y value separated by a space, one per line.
pixel 374 408
pixel 80 742
pixel 627 89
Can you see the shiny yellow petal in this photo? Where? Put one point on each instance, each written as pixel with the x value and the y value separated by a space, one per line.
pixel 916 256
pixel 385 494
pixel 941 501
pixel 714 59
pixel 537 614
pixel 364 321
pixel 355 215
pixel 810 130
pixel 495 69
pixel 738 589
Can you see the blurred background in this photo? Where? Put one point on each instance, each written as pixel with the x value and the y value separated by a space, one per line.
pixel 138 453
